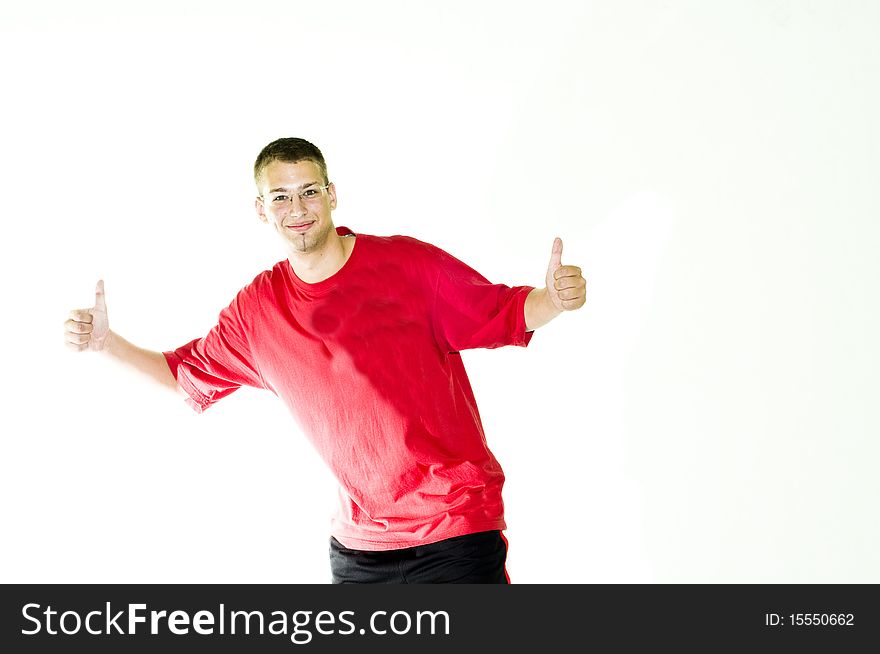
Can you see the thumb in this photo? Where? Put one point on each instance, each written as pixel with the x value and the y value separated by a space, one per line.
pixel 100 303
pixel 555 255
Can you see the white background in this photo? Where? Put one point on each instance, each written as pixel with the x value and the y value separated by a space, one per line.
pixel 710 415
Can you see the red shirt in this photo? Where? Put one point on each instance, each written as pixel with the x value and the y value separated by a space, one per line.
pixel 368 363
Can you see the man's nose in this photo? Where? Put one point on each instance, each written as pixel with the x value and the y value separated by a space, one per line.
pixel 297 206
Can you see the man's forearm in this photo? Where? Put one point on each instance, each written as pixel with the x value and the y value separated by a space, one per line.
pixel 146 362
pixel 539 310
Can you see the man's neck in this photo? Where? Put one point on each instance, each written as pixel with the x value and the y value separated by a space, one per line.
pixel 314 267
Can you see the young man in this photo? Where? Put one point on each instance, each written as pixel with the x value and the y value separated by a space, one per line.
pixel 360 336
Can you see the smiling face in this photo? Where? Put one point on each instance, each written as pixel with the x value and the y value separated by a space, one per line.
pixel 293 201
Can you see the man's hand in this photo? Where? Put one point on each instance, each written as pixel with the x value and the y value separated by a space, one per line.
pixel 566 286
pixel 88 329
pixel 566 290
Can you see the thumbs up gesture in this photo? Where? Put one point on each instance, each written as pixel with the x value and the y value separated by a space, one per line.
pixel 88 329
pixel 566 286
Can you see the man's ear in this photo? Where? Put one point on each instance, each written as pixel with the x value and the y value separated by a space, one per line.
pixel 331 191
pixel 261 209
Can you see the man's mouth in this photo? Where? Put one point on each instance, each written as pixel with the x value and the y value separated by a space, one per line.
pixel 301 227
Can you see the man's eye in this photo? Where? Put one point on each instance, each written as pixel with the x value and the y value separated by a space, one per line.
pixel 279 198
pixel 310 193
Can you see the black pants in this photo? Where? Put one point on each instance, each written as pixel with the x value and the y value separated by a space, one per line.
pixel 472 559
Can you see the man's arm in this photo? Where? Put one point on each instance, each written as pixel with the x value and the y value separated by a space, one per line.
pixel 539 309
pixel 146 362
pixel 565 290
pixel 89 329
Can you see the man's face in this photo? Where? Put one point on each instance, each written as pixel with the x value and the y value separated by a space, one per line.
pixel 293 202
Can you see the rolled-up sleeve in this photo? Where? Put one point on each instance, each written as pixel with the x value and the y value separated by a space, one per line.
pixel 210 368
pixel 471 312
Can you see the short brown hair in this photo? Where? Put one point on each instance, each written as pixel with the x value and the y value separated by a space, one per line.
pixel 289 150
